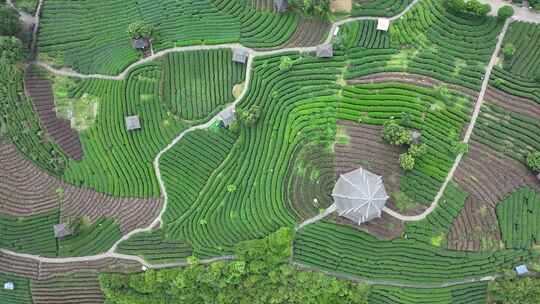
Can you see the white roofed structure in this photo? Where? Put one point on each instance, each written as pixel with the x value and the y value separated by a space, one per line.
pixel 227 116
pixel 359 195
pixel 240 55
pixel 383 24
pixel 9 286
pixel 133 123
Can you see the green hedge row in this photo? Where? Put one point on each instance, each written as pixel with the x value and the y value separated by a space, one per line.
pixel 474 293
pixel 154 247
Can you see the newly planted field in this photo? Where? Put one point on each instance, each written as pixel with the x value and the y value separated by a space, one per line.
pixel 20 295
pixel 194 84
pixel 80 287
pixel 155 248
pixel 474 293
pixel 40 92
pixel 105 47
pixel 21 124
pixel 345 250
pixel 385 8
pixel 518 216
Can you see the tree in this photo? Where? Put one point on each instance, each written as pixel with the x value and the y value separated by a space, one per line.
pixel 286 63
pixel 251 116
pixel 505 12
pixel 406 161
pixel 459 147
pixel 508 50
pixel 11 49
pixel 395 134
pixel 472 8
pixel 319 8
pixel 417 150
pixel 533 161
pixel 516 291
pixel 140 30
pixel 10 24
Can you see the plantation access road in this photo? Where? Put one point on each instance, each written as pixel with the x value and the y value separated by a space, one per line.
pixel 111 253
pixel 466 138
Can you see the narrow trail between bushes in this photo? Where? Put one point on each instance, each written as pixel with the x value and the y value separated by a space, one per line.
pixel 466 138
pixel 111 253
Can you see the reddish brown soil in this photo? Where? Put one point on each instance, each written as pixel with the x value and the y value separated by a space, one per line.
pixel 83 288
pixel 411 79
pixel 512 103
pixel 308 33
pixel 488 177
pixel 367 149
pixel 35 270
pixel 25 190
pixel 39 89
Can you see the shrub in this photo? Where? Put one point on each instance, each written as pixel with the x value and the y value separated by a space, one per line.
pixel 505 12
pixel 406 161
pixel 395 134
pixel 533 161
pixel 417 150
pixel 508 50
pixel 140 30
pixel 459 147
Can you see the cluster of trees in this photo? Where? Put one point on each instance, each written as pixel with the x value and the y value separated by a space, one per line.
pixel 396 134
pixel 505 12
pixel 320 8
pixel 250 116
pixel 515 291
pixel 11 47
pixel 260 274
pixel 469 9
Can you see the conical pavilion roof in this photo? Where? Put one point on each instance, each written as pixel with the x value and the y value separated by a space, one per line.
pixel 359 195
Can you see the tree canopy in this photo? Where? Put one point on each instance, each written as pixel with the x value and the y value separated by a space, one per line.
pixel 140 30
pixel 395 134
pixel 516 291
pixel 260 274
pixel 311 7
pixel 470 9
pixel 505 12
pixel 533 161
pixel 9 22
pixel 11 49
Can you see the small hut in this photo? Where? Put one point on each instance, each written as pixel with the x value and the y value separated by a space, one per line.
pixel 240 56
pixel 359 195
pixel 281 6
pixel 140 43
pixel 383 24
pixel 133 123
pixel 227 117
pixel 522 270
pixel 9 286
pixel 61 230
pixel 325 50
pixel 416 137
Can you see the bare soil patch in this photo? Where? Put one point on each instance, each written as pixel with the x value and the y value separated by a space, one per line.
pixel 76 289
pixel 26 190
pixel 342 6
pixel 367 149
pixel 309 32
pixel 512 103
pixel 39 89
pixel 419 80
pixel 488 177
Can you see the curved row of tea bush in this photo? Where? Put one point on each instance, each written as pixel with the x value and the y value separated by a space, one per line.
pixel 385 8
pixel 435 43
pixel 187 167
pixel 154 247
pixel 69 34
pixel 116 161
pixel 346 250
pixel 195 83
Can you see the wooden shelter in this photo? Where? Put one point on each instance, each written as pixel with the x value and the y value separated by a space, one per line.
pixel 61 230
pixel 325 50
